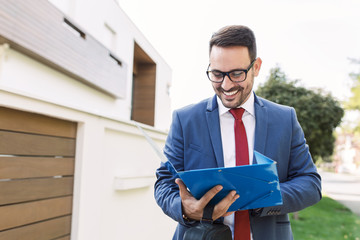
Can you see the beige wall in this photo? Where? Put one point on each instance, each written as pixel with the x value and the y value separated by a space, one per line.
pixel 114 166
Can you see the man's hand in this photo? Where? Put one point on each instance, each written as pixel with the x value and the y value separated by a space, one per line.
pixel 193 208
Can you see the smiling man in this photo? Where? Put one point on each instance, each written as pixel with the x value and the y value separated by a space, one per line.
pixel 234 60
pixel 224 131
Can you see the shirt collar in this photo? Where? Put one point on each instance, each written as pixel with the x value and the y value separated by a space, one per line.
pixel 248 106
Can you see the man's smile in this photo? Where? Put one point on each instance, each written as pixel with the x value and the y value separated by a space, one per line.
pixel 230 93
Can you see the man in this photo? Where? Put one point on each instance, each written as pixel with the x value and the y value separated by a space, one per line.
pixel 205 135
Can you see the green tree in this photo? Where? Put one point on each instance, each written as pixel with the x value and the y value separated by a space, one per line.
pixel 318 113
pixel 354 101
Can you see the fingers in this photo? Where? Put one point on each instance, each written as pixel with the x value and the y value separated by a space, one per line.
pixel 209 195
pixel 220 209
pixel 189 203
pixel 184 193
pixel 193 208
pixel 205 199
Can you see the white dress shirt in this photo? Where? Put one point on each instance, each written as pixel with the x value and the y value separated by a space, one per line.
pixel 228 137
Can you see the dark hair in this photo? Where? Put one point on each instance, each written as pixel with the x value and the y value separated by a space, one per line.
pixel 235 35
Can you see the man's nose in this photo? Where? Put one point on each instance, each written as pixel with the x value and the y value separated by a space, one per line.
pixel 227 84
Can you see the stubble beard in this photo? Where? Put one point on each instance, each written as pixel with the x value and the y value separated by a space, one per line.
pixel 241 97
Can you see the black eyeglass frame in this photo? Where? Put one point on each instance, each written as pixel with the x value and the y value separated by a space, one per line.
pixel 228 73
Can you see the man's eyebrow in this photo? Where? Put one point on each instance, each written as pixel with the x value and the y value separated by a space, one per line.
pixel 235 69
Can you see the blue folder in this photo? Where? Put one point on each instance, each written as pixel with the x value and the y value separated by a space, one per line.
pixel 257 184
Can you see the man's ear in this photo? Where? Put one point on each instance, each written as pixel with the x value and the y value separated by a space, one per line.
pixel 257 66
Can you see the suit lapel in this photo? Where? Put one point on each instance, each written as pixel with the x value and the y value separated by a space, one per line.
pixel 261 116
pixel 212 117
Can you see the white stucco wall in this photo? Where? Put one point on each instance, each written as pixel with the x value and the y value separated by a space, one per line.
pixel 95 17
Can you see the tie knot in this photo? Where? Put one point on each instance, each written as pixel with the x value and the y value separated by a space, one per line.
pixel 237 113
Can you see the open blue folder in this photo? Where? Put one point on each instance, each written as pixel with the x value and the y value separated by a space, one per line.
pixel 257 184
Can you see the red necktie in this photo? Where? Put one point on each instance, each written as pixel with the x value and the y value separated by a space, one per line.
pixel 242 222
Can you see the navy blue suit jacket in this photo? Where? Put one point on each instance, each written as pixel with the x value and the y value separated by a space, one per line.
pixel 194 142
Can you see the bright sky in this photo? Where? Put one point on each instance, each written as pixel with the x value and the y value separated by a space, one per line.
pixel 311 40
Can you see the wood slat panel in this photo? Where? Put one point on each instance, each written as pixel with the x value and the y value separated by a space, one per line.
pixel 26 213
pixel 32 167
pixel 14 143
pixel 144 94
pixel 35 123
pixel 32 201
pixel 40 33
pixel 40 231
pixel 34 189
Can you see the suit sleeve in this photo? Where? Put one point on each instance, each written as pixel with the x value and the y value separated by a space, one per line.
pixel 302 187
pixel 166 190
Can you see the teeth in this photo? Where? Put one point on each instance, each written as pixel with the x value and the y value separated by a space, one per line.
pixel 230 93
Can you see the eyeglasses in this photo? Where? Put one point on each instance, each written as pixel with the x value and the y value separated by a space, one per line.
pixel 237 75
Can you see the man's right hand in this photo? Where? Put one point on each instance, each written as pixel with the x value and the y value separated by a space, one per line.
pixel 193 208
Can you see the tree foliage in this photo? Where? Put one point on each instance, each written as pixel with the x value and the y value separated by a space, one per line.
pixel 354 101
pixel 318 113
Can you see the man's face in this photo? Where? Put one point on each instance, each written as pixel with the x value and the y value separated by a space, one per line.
pixel 226 59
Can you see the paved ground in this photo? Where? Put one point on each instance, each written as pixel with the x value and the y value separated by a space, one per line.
pixel 344 188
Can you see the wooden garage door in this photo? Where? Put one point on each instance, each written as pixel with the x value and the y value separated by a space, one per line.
pixel 36 176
